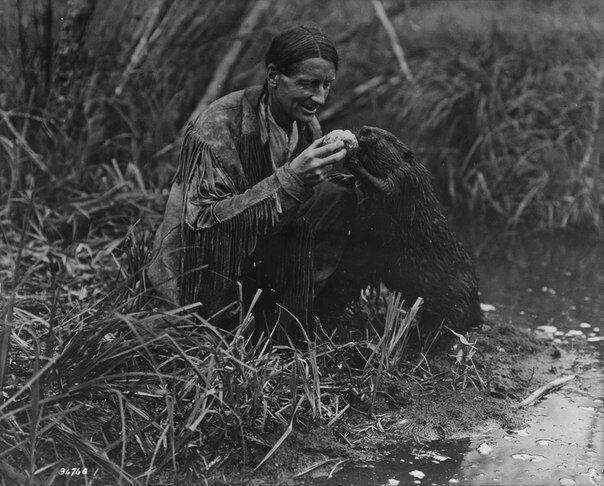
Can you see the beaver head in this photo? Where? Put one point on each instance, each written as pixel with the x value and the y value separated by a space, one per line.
pixel 381 153
pixel 388 171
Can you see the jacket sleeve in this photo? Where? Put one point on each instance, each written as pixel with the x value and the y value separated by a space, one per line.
pixel 221 225
pixel 211 197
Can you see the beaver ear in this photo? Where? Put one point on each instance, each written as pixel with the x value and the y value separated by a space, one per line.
pixel 410 157
pixel 402 149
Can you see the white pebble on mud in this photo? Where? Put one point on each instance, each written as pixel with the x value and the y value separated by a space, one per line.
pixel 567 481
pixel 549 331
pixel 574 332
pixel 485 448
pixel 529 457
pixel 417 474
pixel 585 325
pixel 487 307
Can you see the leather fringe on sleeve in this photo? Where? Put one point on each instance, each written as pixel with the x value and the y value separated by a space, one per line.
pixel 255 158
pixel 212 259
pixel 286 268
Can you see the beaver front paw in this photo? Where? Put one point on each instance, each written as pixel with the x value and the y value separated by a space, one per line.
pixel 341 179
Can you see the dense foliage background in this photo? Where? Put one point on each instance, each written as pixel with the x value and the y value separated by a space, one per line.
pixel 506 108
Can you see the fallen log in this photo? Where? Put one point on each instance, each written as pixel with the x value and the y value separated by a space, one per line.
pixel 545 389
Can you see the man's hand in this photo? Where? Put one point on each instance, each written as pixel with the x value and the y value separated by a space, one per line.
pixel 313 164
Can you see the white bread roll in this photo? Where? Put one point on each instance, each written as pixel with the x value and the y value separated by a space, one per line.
pixel 350 141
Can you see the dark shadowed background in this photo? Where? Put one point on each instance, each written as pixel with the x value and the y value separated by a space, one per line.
pixel 505 109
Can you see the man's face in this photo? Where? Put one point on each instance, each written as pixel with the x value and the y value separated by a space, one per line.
pixel 298 96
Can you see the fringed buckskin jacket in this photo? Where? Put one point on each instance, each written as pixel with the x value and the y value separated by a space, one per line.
pixel 231 213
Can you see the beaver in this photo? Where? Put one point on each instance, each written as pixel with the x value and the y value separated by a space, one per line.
pixel 405 230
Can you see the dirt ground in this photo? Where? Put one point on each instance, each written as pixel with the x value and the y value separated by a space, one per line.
pixel 430 402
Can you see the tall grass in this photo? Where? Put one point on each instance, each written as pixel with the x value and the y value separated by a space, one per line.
pixel 108 384
pixel 97 379
pixel 506 110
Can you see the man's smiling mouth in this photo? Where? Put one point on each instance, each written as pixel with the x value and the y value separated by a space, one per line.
pixel 310 109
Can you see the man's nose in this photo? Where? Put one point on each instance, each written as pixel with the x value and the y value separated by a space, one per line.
pixel 319 95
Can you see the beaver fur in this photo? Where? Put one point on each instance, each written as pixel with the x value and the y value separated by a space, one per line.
pixel 407 236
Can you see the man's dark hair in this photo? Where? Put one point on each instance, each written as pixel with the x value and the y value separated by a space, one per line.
pixel 297 44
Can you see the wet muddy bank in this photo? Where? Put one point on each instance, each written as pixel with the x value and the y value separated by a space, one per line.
pixel 558 440
pixel 545 297
pixel 424 420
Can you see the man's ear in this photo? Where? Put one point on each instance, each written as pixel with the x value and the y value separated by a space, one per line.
pixel 271 75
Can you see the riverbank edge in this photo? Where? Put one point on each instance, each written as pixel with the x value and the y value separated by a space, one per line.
pixel 513 363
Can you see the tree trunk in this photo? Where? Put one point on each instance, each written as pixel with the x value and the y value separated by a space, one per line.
pixel 151 20
pixel 72 64
pixel 47 22
pixel 394 42
pixel 223 70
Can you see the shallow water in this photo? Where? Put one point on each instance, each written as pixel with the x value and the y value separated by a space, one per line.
pixel 541 280
pixel 551 283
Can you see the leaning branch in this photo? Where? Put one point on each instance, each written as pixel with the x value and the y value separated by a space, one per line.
pixel 225 67
pixel 142 46
pixel 371 86
pixel 545 389
pixel 394 42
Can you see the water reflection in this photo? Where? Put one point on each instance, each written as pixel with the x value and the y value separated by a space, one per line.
pixel 432 462
pixel 563 441
pixel 547 278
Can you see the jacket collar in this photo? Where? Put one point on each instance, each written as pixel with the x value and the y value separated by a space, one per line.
pixel 249 110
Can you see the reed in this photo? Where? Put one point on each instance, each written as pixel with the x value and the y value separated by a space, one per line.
pixel 129 392
pixel 506 108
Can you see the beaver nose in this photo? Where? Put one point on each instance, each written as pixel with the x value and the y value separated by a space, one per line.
pixel 363 134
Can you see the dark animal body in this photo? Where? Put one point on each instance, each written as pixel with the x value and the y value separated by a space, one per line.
pixel 407 236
